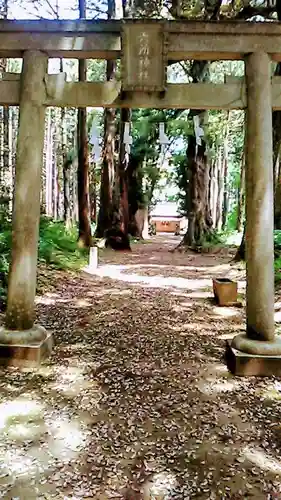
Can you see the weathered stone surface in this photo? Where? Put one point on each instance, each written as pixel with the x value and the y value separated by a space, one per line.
pixel 26 206
pixel 26 348
pixel 31 336
pixel 143 57
pixel 244 364
pixel 88 39
pixel 257 347
pixel 259 200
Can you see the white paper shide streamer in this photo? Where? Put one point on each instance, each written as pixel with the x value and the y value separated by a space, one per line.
pixel 199 132
pixel 128 140
pixel 95 142
pixel 163 138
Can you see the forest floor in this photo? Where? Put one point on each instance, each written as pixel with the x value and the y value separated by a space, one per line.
pixel 136 402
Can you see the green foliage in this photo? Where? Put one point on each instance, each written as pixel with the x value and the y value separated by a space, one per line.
pixel 5 245
pixel 57 248
pixel 277 269
pixel 277 240
pixel 181 171
pixel 58 245
pixel 150 171
pixel 145 154
pixel 277 252
pixel 232 218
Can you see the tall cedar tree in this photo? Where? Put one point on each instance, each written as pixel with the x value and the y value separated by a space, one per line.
pixel 108 208
pixel 84 238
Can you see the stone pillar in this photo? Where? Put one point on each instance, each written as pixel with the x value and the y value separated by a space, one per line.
pixel 20 315
pixel 260 337
pixel 259 199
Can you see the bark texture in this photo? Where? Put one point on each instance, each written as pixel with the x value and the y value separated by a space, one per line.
pixel 107 208
pixel 84 237
pixel 125 116
pixel 199 219
pixel 108 211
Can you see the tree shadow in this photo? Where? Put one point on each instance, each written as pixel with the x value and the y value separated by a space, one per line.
pixel 136 402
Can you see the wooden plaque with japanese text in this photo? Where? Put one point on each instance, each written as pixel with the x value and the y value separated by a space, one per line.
pixel 143 57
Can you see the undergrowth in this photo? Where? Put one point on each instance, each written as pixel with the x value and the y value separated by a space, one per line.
pixel 57 248
pixel 277 253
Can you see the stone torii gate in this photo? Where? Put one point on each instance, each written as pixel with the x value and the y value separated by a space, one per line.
pixel 145 47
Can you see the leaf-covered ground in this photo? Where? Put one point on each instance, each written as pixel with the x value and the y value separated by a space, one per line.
pixel 135 402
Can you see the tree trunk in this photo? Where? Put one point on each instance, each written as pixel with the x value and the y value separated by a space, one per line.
pixel 199 220
pixel 141 218
pixel 6 139
pixel 49 163
pixel 5 195
pixel 14 134
pixel 135 203
pixel 125 116
pixel 93 193
pixel 84 238
pixel 213 191
pixel 106 211
pixel 220 195
pixel 241 252
pixel 276 136
pixel 66 165
pixel 108 215
pixel 54 171
pixel 66 192
pixel 225 173
pixel 241 196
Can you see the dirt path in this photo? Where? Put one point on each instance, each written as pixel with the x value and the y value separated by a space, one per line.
pixel 136 402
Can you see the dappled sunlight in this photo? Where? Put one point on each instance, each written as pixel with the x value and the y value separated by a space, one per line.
pixel 226 312
pixel 136 401
pixel 160 485
pixel 72 347
pixel 218 387
pixel 181 327
pixel 28 431
pixel 198 328
pixel 18 463
pixel 115 272
pixel 230 335
pixel 262 460
pixel 216 379
pixel 67 437
pixel 45 371
pixel 76 302
pixel 183 307
pixel 48 300
pixel 110 291
pixel 19 411
pixel 109 312
pixel 219 369
pixel 82 303
pixel 70 382
pixel 198 295
pixel 271 391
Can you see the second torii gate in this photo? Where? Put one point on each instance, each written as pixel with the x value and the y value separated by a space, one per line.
pixel 145 47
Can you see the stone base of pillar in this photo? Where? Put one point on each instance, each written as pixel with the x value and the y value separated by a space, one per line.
pixel 25 348
pixel 252 365
pixel 259 347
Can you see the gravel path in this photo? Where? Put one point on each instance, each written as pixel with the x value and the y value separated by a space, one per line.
pixel 136 402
